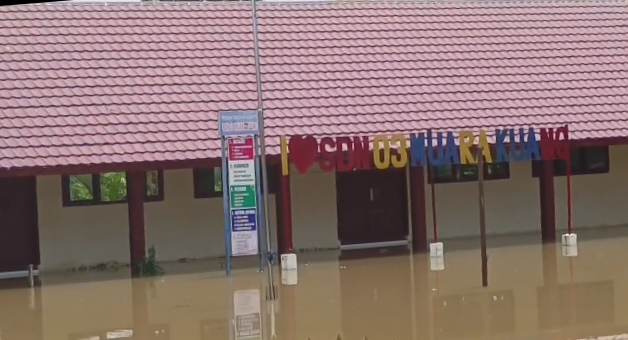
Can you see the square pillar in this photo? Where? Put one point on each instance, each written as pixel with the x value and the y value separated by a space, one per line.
pixel 136 187
pixel 141 325
pixel 548 211
pixel 283 205
pixel 418 213
pixel 550 315
pixel 287 312
pixel 422 298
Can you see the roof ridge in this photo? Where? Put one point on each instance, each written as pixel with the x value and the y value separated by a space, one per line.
pixel 584 3
pixel 140 3
pixel 496 2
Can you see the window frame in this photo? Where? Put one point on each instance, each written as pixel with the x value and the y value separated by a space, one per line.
pixel 579 169
pixel 96 200
pixel 272 182
pixel 198 194
pixel 459 168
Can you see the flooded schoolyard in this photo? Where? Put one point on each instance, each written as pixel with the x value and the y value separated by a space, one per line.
pixel 534 293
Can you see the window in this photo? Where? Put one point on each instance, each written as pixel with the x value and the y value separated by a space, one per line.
pixel 454 173
pixel 108 187
pixel 584 161
pixel 208 182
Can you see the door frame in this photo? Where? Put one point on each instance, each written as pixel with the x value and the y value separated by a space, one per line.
pixel 405 211
pixel 29 186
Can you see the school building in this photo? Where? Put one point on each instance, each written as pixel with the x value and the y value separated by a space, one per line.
pixel 110 140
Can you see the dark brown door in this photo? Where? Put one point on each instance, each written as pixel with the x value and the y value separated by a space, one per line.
pixel 376 306
pixel 19 234
pixel 372 206
pixel 21 311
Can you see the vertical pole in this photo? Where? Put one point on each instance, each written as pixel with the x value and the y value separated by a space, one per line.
pixel 569 214
pixel 433 194
pixel 137 237
pixel 261 221
pixel 262 137
pixel 141 321
pixel 574 312
pixel 550 284
pixel 225 206
pixel 423 320
pixel 486 329
pixel 432 191
pixel 417 208
pixel 413 300
pixel 482 218
pixel 286 202
pixel 288 312
pixel 547 200
pixel 231 316
pixel 572 291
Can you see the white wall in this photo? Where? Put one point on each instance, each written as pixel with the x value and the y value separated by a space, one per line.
pixel 513 205
pixel 314 215
pixel 179 227
pixel 184 227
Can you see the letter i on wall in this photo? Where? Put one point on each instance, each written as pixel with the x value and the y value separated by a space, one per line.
pixel 285 165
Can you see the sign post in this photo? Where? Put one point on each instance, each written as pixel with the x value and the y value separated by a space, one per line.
pixel 247 314
pixel 482 218
pixel 241 186
pixel 242 196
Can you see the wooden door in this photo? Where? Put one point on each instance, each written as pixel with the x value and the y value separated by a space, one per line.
pixel 352 201
pixel 388 209
pixel 19 234
pixel 21 311
pixel 372 206
pixel 376 305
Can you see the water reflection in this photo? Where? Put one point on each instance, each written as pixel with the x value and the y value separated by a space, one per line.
pixel 533 293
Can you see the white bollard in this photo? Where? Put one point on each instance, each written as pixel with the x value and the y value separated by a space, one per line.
pixel 437 264
pixel 31 276
pixel 436 249
pixel 289 277
pixel 570 251
pixel 570 240
pixel 289 262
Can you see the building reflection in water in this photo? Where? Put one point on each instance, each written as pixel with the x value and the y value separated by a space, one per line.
pixel 139 327
pixel 381 298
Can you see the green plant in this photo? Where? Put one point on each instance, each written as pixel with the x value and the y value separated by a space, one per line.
pixel 113 186
pixel 81 188
pixel 149 266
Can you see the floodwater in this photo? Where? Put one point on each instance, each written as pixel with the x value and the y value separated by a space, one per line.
pixel 534 293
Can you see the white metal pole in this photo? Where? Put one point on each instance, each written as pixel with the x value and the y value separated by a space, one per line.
pixel 262 145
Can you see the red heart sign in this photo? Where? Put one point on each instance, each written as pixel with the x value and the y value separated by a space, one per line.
pixel 303 152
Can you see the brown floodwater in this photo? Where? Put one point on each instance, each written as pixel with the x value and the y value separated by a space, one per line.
pixel 534 293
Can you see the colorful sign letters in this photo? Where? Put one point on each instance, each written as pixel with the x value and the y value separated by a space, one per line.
pixel 420 149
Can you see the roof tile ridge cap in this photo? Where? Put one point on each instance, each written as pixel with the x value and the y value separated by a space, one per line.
pixel 149 3
pixel 139 3
pixel 584 3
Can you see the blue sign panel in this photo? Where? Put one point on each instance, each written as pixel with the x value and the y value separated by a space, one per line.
pixel 237 123
pixel 243 220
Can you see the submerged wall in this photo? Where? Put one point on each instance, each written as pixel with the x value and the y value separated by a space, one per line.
pixel 350 298
pixel 184 227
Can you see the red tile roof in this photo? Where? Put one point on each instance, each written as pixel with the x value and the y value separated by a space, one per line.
pixel 89 84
